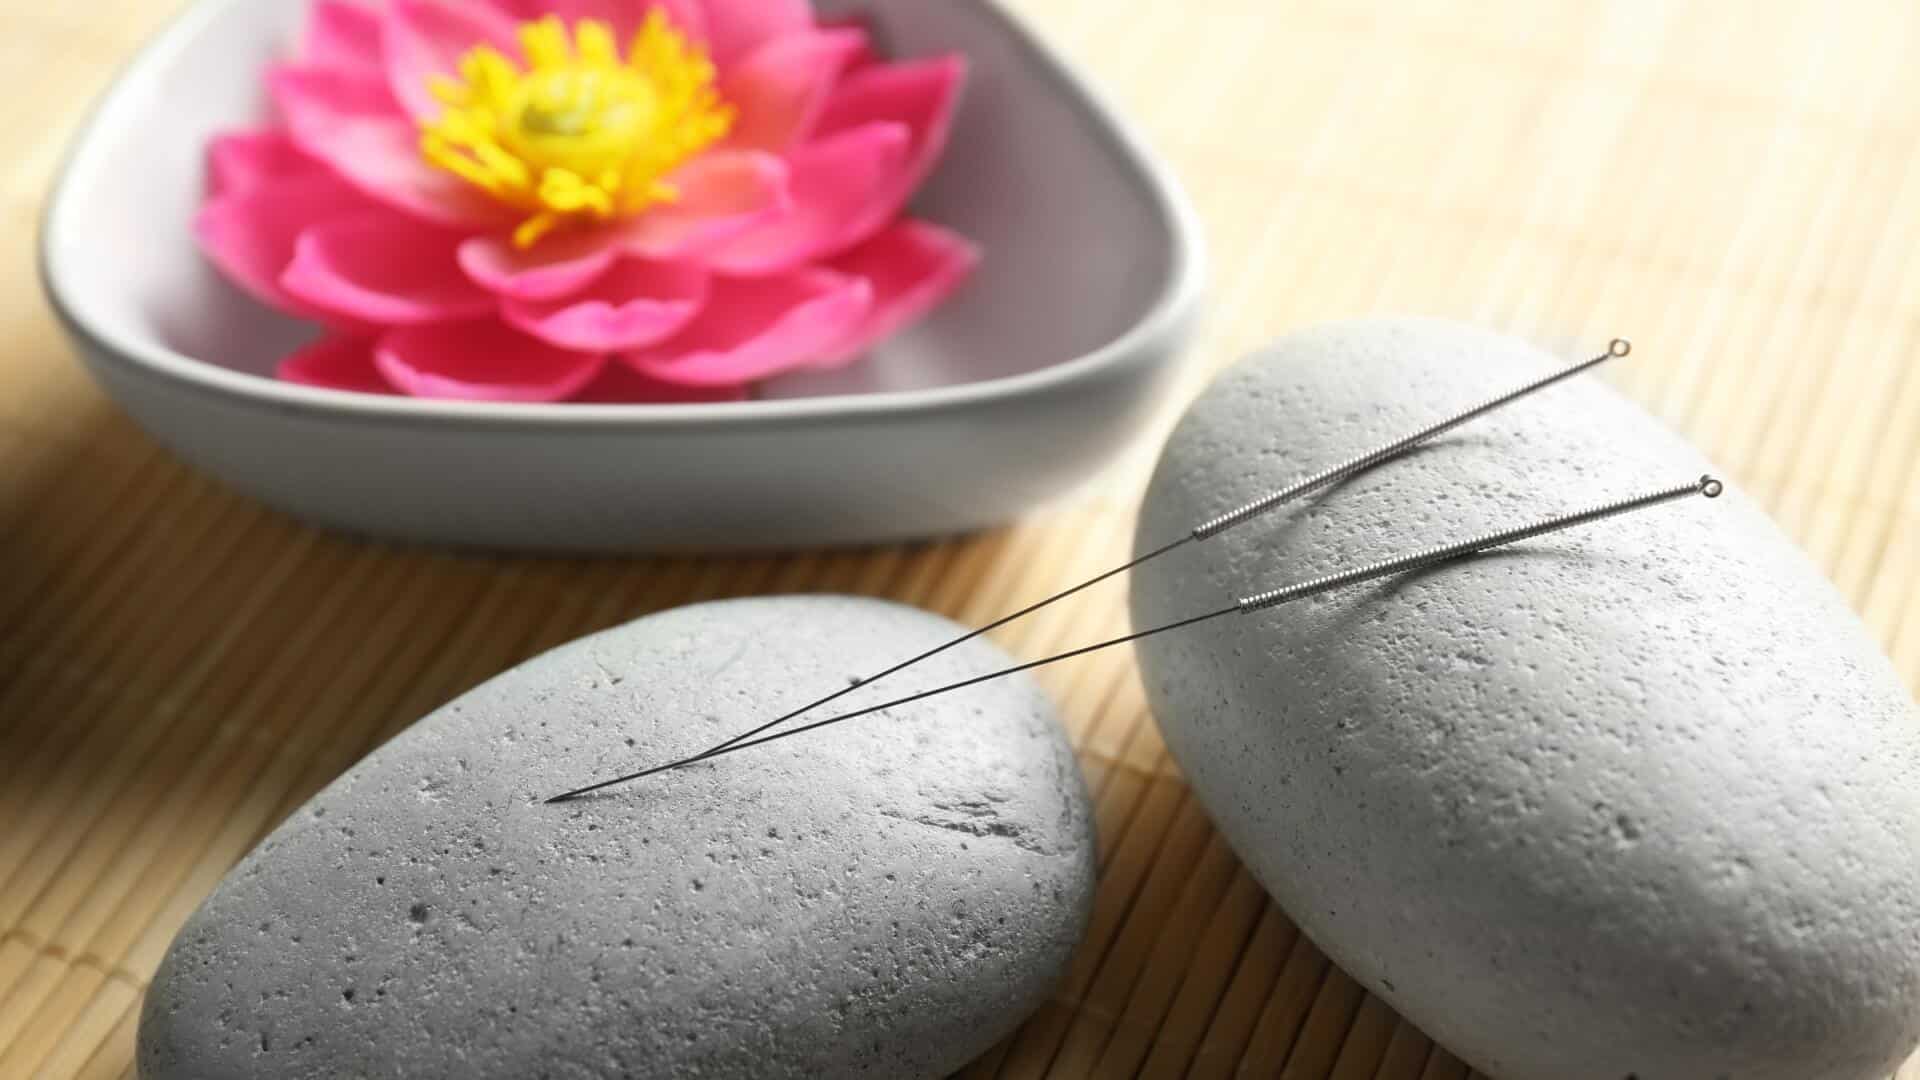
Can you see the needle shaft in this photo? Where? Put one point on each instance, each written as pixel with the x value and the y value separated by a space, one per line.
pixel 1706 486
pixel 735 747
pixel 949 644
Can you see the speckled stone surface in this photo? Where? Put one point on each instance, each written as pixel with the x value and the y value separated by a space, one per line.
pixel 886 898
pixel 1637 801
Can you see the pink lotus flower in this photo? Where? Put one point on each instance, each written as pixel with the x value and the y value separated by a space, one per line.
pixel 598 200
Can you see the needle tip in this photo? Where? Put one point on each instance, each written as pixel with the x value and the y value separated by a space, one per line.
pixel 568 797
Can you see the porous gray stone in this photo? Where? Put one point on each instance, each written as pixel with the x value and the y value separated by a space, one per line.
pixel 884 898
pixel 1634 801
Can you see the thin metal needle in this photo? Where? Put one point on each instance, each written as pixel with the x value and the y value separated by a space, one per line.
pixel 843 717
pixel 943 647
pixel 1617 348
pixel 1706 485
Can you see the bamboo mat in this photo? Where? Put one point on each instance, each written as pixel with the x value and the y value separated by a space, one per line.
pixel 1733 186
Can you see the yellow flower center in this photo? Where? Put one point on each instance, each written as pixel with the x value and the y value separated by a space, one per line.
pixel 581 135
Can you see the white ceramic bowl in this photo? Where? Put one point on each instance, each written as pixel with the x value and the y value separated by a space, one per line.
pixel 1013 393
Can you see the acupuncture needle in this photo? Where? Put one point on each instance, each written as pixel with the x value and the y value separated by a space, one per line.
pixel 1705 486
pixel 1616 349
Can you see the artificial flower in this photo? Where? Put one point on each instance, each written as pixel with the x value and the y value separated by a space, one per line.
pixel 592 200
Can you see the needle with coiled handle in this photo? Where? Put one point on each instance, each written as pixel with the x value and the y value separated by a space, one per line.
pixel 1206 530
pixel 1705 486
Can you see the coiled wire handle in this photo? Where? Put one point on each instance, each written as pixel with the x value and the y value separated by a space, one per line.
pixel 1617 348
pixel 1706 485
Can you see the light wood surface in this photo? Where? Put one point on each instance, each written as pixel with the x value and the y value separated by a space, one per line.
pixel 1733 186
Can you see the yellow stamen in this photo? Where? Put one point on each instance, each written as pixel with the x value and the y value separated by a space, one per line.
pixel 580 135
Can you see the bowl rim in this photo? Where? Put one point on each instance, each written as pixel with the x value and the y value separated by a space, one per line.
pixel 1165 318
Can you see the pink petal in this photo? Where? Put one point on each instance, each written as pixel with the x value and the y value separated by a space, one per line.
pixel 245 160
pixel 923 95
pixel 687 16
pixel 753 328
pixel 425 39
pixel 913 267
pixel 352 125
pixel 481 361
pixel 250 233
pixel 737 27
pixel 636 304
pixel 343 35
pixel 382 269
pixel 862 21
pixel 619 384
pixel 311 92
pixel 780 89
pixel 723 193
pixel 625 16
pixel 835 183
pixel 337 362
pixel 562 263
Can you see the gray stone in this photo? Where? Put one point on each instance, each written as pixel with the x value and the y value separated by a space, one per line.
pixel 884 898
pixel 1635 801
